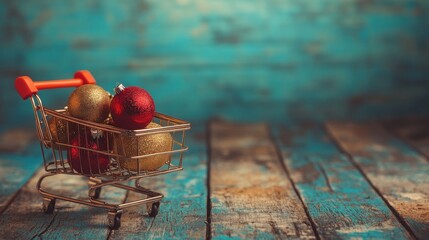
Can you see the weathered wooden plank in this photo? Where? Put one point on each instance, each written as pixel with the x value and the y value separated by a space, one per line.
pixel 183 211
pixel 19 159
pixel 340 201
pixel 415 131
pixel 17 140
pixel 250 194
pixel 15 171
pixel 24 218
pixel 398 172
pixel 75 221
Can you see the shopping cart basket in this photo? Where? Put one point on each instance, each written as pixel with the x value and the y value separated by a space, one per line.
pixel 117 172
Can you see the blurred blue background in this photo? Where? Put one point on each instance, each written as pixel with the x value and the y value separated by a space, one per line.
pixel 275 60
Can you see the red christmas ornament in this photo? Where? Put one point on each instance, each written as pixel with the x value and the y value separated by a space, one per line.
pixel 132 107
pixel 88 162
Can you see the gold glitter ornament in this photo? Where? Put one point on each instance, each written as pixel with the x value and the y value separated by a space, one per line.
pixel 58 129
pixel 89 102
pixel 129 146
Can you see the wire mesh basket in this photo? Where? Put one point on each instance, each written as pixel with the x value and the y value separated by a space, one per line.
pixel 107 155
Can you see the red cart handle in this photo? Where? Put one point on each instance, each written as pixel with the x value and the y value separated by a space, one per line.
pixel 26 87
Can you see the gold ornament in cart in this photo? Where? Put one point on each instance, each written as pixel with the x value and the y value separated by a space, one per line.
pixel 58 129
pixel 144 145
pixel 89 102
pixel 160 148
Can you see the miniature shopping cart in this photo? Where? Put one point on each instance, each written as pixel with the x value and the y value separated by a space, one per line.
pixel 56 152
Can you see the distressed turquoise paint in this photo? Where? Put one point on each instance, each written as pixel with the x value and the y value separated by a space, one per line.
pixel 74 221
pixel 393 167
pixel 340 201
pixel 250 193
pixel 252 60
pixel 407 166
pixel 16 169
pixel 25 212
pixel 256 235
pixel 224 237
pixel 185 198
pixel 246 232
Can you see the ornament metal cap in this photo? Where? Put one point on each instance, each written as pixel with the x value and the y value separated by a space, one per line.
pixel 119 88
pixel 96 134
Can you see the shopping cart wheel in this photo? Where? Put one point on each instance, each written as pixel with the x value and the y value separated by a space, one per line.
pixel 153 208
pixel 95 193
pixel 114 218
pixel 48 205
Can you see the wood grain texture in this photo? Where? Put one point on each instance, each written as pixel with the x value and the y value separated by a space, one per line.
pixel 183 211
pixel 185 201
pixel 15 171
pixel 339 199
pixel 414 131
pixel 24 218
pixel 250 194
pixel 398 172
pixel 20 157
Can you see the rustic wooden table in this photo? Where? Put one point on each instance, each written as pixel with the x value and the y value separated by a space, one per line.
pixel 309 181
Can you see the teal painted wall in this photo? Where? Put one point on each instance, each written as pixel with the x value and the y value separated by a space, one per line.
pixel 271 60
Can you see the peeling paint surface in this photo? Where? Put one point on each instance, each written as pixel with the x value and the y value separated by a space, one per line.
pixel 339 199
pixel 241 60
pixel 397 171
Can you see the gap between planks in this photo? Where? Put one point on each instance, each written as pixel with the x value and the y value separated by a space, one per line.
pixel 250 193
pixel 19 161
pixel 396 171
pixel 183 211
pixel 208 200
pixel 25 211
pixel 287 172
pixel 341 202
pixel 7 200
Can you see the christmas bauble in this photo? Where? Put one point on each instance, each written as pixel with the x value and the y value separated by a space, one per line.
pixel 87 161
pixel 132 107
pixel 89 102
pixel 60 132
pixel 130 146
